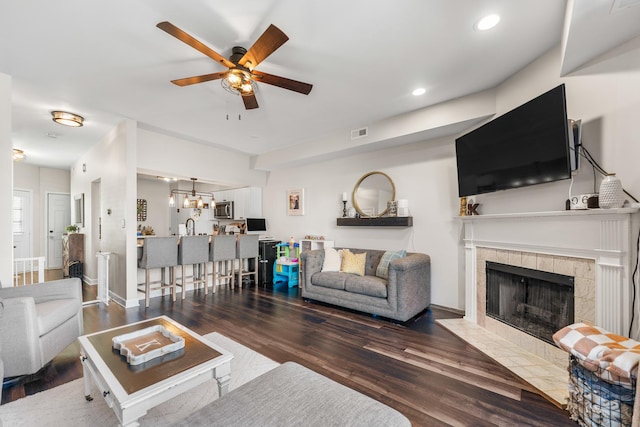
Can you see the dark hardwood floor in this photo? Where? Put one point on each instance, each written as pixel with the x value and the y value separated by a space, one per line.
pixel 419 368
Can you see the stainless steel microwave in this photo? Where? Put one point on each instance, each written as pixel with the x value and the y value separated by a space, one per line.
pixel 223 210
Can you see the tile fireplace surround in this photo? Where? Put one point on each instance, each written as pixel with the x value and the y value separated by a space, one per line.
pixel 596 247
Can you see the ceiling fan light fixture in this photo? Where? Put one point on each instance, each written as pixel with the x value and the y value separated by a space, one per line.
pixel 67 119
pixel 238 81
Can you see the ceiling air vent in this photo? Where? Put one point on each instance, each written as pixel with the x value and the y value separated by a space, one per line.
pixel 621 5
pixel 359 133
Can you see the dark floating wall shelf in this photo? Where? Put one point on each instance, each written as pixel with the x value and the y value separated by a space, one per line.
pixel 391 221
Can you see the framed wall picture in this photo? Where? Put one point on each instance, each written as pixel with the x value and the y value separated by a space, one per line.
pixel 295 201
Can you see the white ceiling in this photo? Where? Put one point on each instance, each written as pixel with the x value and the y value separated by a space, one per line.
pixel 107 61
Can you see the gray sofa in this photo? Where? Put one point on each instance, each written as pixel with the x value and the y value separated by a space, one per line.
pixel 292 395
pixel 403 295
pixel 38 322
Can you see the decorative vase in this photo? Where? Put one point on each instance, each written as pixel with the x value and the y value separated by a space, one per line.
pixel 392 208
pixel 611 194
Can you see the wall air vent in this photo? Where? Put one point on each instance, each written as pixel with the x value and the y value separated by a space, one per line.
pixel 359 133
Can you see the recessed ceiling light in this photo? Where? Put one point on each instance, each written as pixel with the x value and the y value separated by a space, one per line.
pixel 419 91
pixel 167 178
pixel 488 22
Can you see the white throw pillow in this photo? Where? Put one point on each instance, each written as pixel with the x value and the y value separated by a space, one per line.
pixel 332 260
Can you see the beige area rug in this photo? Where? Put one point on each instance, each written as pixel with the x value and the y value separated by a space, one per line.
pixel 65 405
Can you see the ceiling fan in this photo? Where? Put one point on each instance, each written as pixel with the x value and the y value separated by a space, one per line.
pixel 241 75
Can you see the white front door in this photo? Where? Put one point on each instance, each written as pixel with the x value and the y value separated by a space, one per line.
pixel 21 215
pixel 58 217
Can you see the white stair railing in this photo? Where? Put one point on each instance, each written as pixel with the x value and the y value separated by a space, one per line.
pixel 103 276
pixel 24 269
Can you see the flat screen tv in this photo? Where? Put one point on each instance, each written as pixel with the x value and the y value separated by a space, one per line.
pixel 256 226
pixel 529 145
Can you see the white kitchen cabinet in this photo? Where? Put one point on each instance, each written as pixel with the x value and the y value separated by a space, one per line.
pixel 247 203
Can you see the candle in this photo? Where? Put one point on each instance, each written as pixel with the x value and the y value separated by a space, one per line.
pixel 344 197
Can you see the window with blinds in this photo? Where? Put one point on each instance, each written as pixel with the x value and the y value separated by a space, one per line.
pixel 17 215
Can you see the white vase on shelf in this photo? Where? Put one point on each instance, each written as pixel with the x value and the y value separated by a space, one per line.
pixel 611 193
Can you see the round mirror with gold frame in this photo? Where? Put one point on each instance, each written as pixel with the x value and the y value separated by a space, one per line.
pixel 371 194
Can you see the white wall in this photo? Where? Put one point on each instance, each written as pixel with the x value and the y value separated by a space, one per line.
pixel 607 102
pixel 169 156
pixel 40 181
pixel 112 163
pixel 6 182
pixel 424 173
pixel 606 98
pixel 156 193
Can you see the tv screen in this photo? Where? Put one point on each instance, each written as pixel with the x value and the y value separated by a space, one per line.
pixel 256 225
pixel 528 145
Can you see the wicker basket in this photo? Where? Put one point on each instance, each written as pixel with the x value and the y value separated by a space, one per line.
pixel 594 402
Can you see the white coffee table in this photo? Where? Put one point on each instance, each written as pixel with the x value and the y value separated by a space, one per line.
pixel 132 390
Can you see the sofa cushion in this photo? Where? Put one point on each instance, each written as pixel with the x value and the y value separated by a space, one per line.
pixel 332 260
pixel 383 266
pixel 353 263
pixel 329 279
pixel 52 314
pixel 366 285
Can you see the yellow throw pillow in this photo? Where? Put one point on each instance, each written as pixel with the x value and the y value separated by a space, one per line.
pixel 353 263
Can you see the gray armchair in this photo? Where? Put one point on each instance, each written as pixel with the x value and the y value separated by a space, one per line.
pixel 38 322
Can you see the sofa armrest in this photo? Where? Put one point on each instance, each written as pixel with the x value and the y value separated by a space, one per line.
pixel 47 291
pixel 410 281
pixel 311 263
pixel 19 336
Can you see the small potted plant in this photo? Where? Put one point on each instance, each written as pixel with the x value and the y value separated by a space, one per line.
pixel 70 229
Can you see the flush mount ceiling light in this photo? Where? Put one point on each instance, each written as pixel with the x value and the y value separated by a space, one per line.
pixel 487 22
pixel 18 155
pixel 67 119
pixel 419 91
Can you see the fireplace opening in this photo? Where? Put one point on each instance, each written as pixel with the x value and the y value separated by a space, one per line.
pixel 536 302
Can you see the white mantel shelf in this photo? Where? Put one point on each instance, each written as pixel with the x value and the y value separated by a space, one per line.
pixel 606 236
pixel 529 215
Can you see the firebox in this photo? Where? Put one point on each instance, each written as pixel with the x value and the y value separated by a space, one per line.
pixel 533 301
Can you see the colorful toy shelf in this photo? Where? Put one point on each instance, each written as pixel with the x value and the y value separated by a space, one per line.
pixel 287 266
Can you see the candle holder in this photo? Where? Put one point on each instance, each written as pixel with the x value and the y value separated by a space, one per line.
pixel 344 209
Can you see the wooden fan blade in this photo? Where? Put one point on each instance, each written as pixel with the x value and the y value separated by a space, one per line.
pixel 199 79
pixel 282 82
pixel 266 44
pixel 250 101
pixel 176 32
